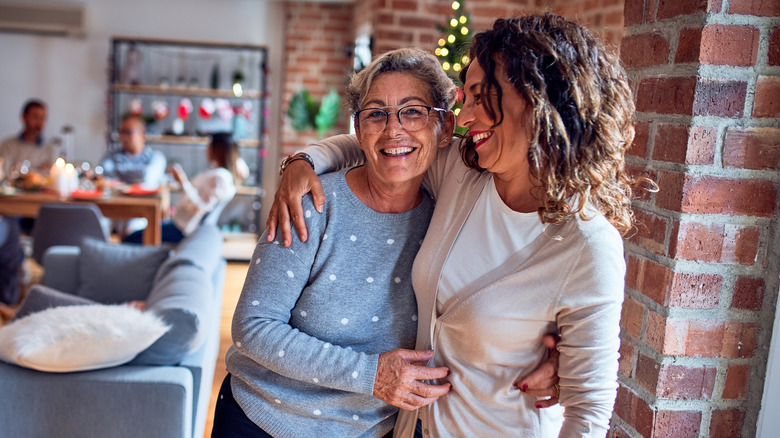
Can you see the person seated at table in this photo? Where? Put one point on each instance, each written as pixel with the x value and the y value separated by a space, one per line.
pixel 208 190
pixel 135 163
pixel 29 145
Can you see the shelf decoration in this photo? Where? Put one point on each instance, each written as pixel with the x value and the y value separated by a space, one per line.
pixel 206 108
pixel 224 109
pixel 160 109
pixel 136 107
pixel 215 77
pixel 184 109
pixel 130 71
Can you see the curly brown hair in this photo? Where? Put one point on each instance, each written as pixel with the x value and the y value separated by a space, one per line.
pixel 581 111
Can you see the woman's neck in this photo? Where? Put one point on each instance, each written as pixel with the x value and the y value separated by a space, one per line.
pixel 516 192
pixel 383 198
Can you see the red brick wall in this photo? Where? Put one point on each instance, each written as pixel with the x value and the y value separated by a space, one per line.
pixel 317 59
pixel 698 314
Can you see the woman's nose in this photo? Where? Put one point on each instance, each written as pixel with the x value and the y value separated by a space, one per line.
pixel 393 124
pixel 465 116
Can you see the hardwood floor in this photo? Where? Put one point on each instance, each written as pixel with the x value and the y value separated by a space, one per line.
pixel 234 281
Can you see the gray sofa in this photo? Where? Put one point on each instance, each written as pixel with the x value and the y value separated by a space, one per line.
pixel 165 390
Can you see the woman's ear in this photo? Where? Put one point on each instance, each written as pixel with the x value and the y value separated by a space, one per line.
pixel 449 129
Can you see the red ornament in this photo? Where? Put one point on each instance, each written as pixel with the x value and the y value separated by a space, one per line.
pixel 184 109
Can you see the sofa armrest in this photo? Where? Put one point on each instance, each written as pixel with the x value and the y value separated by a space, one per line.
pixel 119 402
pixel 61 268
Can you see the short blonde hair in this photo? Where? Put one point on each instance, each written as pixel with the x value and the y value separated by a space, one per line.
pixel 414 61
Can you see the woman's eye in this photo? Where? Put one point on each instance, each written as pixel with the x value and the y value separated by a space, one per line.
pixel 377 114
pixel 412 112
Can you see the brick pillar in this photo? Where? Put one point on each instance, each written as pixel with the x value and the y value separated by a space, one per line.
pixel 317 59
pixel 702 279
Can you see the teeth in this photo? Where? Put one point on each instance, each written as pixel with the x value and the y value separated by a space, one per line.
pixel 397 151
pixel 481 136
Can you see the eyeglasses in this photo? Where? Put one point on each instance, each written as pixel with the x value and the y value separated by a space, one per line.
pixel 411 117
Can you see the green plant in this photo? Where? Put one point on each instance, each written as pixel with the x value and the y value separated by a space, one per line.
pixel 306 113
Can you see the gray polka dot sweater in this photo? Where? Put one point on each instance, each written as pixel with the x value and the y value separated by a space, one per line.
pixel 313 318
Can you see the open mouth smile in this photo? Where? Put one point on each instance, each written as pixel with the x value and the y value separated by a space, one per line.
pixel 480 137
pixel 397 152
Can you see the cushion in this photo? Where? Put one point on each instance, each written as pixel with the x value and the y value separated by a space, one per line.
pixel 79 338
pixel 41 298
pixel 202 248
pixel 125 271
pixel 183 298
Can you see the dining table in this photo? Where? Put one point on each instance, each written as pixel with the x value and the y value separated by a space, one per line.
pixel 115 205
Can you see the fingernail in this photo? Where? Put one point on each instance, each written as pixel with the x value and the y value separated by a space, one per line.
pixel 524 388
pixel 318 208
pixel 538 406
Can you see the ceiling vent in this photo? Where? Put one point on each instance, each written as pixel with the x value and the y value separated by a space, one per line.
pixel 43 18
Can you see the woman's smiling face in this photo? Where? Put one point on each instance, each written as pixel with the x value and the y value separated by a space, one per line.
pixel 394 155
pixel 502 148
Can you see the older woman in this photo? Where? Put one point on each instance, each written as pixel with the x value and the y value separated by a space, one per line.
pixel 316 322
pixel 525 237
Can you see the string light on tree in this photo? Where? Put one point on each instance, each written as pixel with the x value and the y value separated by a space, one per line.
pixel 454 41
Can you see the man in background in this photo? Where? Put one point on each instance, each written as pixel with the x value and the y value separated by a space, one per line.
pixel 135 163
pixel 29 145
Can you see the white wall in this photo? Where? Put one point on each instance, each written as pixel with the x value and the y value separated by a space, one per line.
pixel 71 76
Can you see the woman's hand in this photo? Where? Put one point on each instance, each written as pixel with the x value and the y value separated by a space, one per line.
pixel 543 381
pixel 297 180
pixel 399 382
pixel 177 172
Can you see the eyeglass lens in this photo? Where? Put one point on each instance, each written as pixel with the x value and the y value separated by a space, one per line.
pixel 411 117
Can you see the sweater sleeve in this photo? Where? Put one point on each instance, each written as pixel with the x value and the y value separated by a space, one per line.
pixel 335 153
pixel 589 322
pixel 261 324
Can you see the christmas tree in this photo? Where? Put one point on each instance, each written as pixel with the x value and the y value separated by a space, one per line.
pixel 454 42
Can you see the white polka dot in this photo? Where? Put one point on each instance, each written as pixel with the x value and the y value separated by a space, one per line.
pixel 332 277
pixel 308 214
pixel 276 242
pixel 317 412
pixel 221 396
pixel 370 279
pixel 355 417
pixel 303 313
pixel 255 302
pixel 375 319
pixel 344 321
pixel 315 380
pixel 354 374
pixel 278 402
pixel 324 236
pixel 290 274
pixel 390 241
pixel 327 345
pixel 335 195
pixel 397 280
pixel 292 251
pixel 238 344
pixel 281 353
pixel 257 261
pixel 352 238
pixel 414 317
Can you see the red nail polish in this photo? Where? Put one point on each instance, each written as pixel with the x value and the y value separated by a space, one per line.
pixel 538 406
pixel 524 388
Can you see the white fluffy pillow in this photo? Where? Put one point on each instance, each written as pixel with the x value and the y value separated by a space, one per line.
pixel 79 338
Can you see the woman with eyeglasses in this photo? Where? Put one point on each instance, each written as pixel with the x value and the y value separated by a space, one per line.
pixel 526 235
pixel 320 324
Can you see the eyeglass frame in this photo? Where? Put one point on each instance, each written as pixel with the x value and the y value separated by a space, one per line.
pixel 398 115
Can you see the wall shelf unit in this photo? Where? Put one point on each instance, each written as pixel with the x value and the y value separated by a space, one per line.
pixel 186 90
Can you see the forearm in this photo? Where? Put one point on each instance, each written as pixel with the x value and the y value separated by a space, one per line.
pixel 335 153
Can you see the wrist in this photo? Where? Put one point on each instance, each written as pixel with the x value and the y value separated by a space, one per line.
pixel 300 156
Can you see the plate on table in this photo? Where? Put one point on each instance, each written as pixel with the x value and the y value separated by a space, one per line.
pixel 139 190
pixel 87 194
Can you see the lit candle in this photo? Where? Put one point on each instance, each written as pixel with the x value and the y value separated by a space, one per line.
pixel 71 179
pixel 54 174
